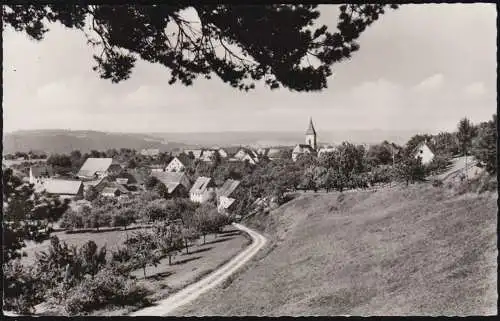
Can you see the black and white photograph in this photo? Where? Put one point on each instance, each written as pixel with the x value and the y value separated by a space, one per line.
pixel 211 158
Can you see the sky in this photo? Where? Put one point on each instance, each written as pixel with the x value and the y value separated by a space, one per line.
pixel 421 67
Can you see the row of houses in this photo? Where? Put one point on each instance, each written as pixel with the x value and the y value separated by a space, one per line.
pixel 110 179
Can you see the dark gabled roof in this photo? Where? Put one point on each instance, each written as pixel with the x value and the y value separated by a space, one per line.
pixel 311 130
pixel 228 187
pixel 201 184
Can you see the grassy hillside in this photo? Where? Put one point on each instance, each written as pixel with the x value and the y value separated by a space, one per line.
pixel 417 251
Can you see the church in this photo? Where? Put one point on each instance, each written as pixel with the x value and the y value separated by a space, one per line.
pixel 310 147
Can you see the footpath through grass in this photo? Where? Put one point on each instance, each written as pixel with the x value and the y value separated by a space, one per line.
pixel 420 250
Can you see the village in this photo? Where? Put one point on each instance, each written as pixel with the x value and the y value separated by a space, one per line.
pixel 110 178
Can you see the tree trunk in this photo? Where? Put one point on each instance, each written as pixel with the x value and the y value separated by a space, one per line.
pixel 203 239
pixel 187 246
pixel 144 270
pixel 466 171
pixel 169 259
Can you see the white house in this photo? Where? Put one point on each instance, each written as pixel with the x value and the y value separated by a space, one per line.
pixel 301 149
pixel 425 153
pixel 208 155
pixel 175 165
pixel 203 190
pixel 245 154
pixel 222 153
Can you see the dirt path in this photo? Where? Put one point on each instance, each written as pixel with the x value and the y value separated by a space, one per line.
pixel 191 292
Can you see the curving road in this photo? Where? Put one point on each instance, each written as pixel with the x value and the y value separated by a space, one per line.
pixel 191 292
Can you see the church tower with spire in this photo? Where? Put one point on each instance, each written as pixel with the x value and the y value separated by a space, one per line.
pixel 311 135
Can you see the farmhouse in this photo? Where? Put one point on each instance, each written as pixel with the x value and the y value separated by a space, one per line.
pixel 40 173
pixel 178 164
pixel 98 167
pixel 203 190
pixel 71 189
pixel 176 183
pixel 208 155
pixel 302 149
pixel 222 153
pixel 271 153
pixel 246 154
pixel 97 184
pixel 114 191
pixel 424 152
pixel 151 152
pixel 224 195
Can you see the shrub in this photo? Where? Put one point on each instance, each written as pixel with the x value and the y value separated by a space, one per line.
pixel 438 165
pixel 437 182
pixel 22 289
pixel 108 287
pixel 72 219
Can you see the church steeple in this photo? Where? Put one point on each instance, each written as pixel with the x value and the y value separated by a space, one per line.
pixel 311 135
pixel 310 130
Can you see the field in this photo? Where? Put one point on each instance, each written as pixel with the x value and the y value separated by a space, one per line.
pixel 163 279
pixel 423 250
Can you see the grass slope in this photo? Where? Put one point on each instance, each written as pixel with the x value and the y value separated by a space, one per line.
pixel 415 251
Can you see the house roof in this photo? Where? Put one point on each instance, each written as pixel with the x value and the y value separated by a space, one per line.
pixel 170 179
pixel 38 171
pixel 310 129
pixel 201 184
pixel 112 187
pixel 228 187
pixel 93 165
pixel 273 152
pixel 150 152
pixel 228 202
pixel 301 148
pixel 61 186
pixel 196 152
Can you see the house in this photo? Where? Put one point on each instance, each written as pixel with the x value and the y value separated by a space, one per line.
pixel 424 152
pixel 196 152
pixel 39 173
pixel 97 184
pixel 246 154
pixel 222 153
pixel 175 165
pixel 135 178
pixel 151 152
pixel 114 191
pixel 203 190
pixel 302 149
pixel 71 189
pixel 209 155
pixel 225 195
pixel 177 183
pixel 97 168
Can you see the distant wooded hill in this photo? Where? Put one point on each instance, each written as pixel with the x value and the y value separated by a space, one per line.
pixel 64 141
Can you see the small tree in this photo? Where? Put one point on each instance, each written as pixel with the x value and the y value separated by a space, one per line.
pixel 485 146
pixel 466 132
pixel 168 239
pixel 189 234
pixel 202 219
pixel 410 170
pixel 143 249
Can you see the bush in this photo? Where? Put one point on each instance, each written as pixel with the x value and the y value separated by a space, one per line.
pixel 438 165
pixel 437 182
pixel 72 219
pixel 22 289
pixel 108 287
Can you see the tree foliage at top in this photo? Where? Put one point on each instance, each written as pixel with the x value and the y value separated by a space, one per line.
pixel 240 44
